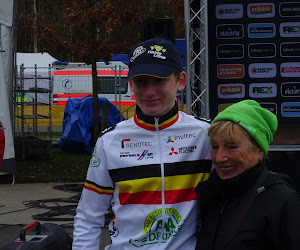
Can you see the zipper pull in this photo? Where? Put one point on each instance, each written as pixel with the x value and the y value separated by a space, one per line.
pixel 260 190
pixel 156 122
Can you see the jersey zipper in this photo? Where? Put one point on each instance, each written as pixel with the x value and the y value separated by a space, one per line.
pixel 162 171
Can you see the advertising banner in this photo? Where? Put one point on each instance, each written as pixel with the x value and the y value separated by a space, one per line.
pixel 254 53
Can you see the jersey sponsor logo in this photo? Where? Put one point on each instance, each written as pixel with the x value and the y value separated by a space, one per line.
pixel 290 69
pixel 230 51
pixel 290 29
pixel 126 143
pixel 290 49
pixel 289 9
pixel 261 30
pixel 261 10
pixel 183 150
pixel 173 152
pixel 234 90
pixel 184 136
pixel 187 149
pixel 123 141
pixel 262 70
pixel 290 89
pixel 262 90
pixel 229 71
pixel 290 109
pixel 230 31
pixel 229 11
pixel 145 155
pixel 262 50
pixel 169 139
pixel 271 106
pixel 159 227
pixel 94 161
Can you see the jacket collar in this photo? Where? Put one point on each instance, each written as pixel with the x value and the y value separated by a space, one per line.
pixel 216 188
pixel 148 122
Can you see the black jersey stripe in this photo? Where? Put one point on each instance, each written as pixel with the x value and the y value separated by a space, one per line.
pixel 98 186
pixel 153 170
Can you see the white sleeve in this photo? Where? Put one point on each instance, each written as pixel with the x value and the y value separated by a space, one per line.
pixel 94 202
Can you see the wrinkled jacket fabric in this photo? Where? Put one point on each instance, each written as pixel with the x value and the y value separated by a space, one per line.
pixel 257 210
pixel 147 168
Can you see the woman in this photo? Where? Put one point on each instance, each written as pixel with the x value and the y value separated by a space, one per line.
pixel 242 204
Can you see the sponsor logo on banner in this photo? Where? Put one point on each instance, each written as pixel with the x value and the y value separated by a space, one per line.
pixel 262 90
pixel 271 106
pixel 289 9
pixel 262 70
pixel 290 109
pixel 230 51
pixel 259 50
pixel 223 106
pixel 291 29
pixel 290 49
pixel 229 11
pixel 230 31
pixel 290 69
pixel 261 30
pixel 229 71
pixel 235 90
pixel 261 10
pixel 290 89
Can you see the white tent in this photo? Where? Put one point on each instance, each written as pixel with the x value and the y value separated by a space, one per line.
pixel 26 62
pixel 6 69
pixel 31 59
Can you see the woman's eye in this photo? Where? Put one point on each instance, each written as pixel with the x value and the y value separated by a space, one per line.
pixel 214 147
pixel 232 146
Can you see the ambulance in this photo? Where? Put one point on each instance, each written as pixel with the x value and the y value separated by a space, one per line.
pixel 73 80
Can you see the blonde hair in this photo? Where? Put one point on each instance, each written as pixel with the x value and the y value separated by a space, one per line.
pixel 225 130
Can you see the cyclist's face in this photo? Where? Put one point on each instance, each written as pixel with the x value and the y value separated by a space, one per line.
pixel 156 96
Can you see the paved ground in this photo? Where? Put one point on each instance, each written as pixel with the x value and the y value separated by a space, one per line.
pixel 20 204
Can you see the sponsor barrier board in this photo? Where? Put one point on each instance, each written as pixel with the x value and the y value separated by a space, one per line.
pixel 254 52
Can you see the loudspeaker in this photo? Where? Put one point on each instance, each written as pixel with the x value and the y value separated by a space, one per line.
pixel 163 28
pixel 48 236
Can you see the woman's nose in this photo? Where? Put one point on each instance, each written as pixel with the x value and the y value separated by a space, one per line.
pixel 221 155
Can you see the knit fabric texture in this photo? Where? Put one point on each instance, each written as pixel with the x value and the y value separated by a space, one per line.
pixel 260 123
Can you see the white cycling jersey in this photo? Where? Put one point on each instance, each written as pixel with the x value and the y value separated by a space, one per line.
pixel 147 169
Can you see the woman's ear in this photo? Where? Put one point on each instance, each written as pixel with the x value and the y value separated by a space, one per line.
pixel 261 155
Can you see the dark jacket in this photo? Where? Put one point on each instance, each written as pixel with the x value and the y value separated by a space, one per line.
pixel 256 210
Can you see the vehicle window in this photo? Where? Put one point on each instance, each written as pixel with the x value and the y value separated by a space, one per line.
pixel 106 85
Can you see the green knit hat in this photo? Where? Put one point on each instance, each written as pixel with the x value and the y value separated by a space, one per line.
pixel 260 123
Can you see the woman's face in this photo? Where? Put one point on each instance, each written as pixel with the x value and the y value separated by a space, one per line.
pixel 234 157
